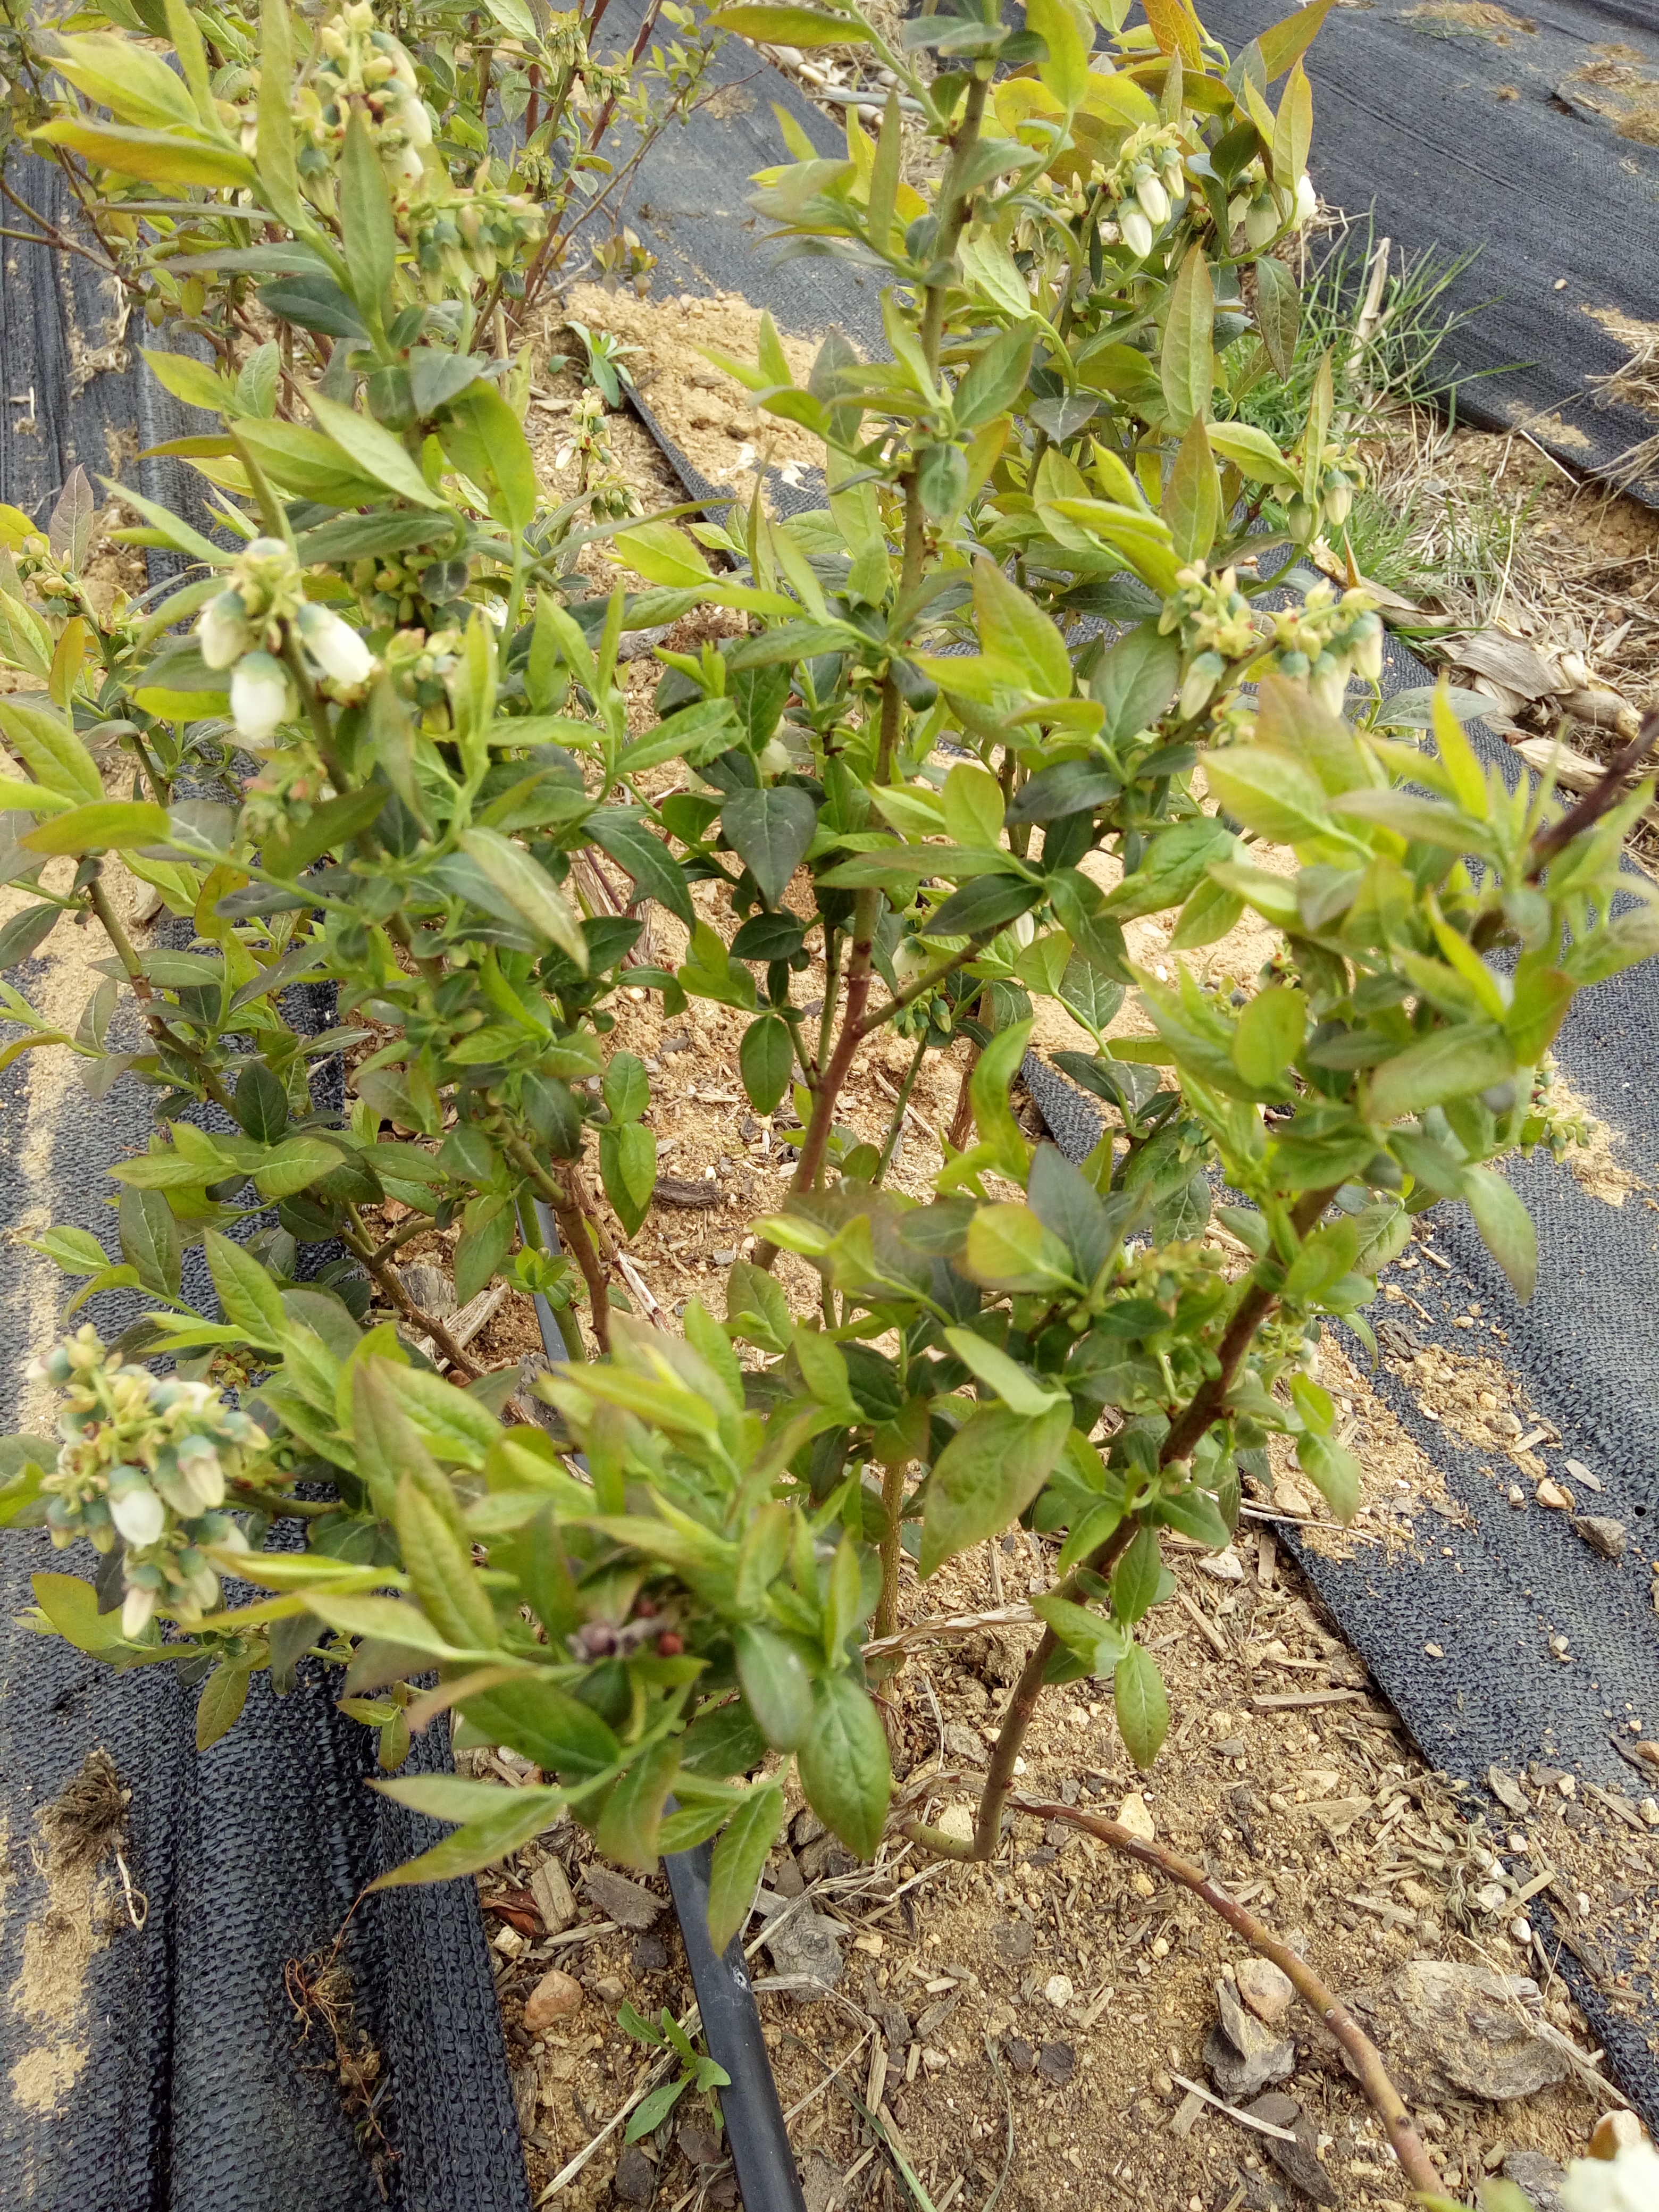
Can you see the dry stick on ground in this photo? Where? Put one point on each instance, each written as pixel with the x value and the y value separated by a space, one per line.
pixel 1362 2053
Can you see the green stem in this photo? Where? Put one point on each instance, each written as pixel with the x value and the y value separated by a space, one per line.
pixel 97 898
pixel 898 1122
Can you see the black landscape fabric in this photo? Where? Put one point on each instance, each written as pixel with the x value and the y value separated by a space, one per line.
pixel 1528 134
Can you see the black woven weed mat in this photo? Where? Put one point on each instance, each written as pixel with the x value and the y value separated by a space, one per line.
pixel 1526 136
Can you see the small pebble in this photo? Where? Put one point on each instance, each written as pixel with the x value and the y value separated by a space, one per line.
pixel 1580 1472
pixel 1602 1535
pixel 1059 1992
pixel 1135 1814
pixel 1265 1989
pixel 555 1997
pixel 1551 1493
pixel 725 1255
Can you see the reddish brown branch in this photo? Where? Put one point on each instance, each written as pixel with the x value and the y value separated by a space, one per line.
pixel 1363 2054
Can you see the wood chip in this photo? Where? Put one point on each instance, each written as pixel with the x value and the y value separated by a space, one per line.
pixel 1385 1909
pixel 1205 1627
pixel 680 1191
pixel 1538 1882
pixel 1191 2106
pixel 1533 1437
pixel 1267 1557
pixel 1290 1699
pixel 1245 2120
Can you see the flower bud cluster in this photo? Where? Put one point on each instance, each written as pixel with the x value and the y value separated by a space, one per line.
pixel 245 628
pixel 1146 185
pixel 363 68
pixel 1325 640
pixel 145 1463
pixel 421 663
pixel 460 238
pixel 1265 209
pixel 607 493
pixel 1217 629
pixel 1341 473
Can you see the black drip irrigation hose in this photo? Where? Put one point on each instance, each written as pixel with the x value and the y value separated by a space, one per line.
pixel 750 2107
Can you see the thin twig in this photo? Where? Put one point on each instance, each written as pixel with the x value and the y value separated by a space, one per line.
pixel 1244 2119
pixel 1363 2055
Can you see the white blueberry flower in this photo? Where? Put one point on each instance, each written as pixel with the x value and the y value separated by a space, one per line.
pixel 135 1510
pixel 1307 200
pixel 1154 199
pixel 222 633
pixel 258 697
pixel 137 1606
pixel 1136 229
pixel 334 645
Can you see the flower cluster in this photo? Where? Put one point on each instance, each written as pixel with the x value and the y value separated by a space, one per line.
pixel 1146 185
pixel 145 1463
pixel 1341 473
pixel 1217 629
pixel 602 481
pixel 460 238
pixel 1325 640
pixel 420 664
pixel 247 626
pixel 366 68
pixel 1265 209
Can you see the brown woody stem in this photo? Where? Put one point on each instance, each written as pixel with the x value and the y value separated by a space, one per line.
pixel 362 1246
pixel 1183 1436
pixel 1362 2053
pixel 109 922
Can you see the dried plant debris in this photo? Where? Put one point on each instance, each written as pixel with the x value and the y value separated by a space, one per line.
pixel 1470 18
pixel 82 1831
pixel 319 1988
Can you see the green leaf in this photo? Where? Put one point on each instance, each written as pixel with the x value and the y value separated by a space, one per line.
pixel 1456 1063
pixel 26 932
pixel 788 27
pixel 52 753
pixel 1210 912
pixel 72 1605
pixel 1271 793
pixel 248 1295
pixel 1066 1201
pixel 479 1842
pixel 628 1166
pixel 1142 1706
pixel 528 889
pixel 1099 1644
pixel 739 1859
pixel 973 806
pixel 776 1683
pixel 766 1060
pixel 1135 681
pixel 627 1087
pixel 1278 312
pixel 261 1104
pixel 273 126
pixel 372 450
pixel 487 441
pixel 482 1249
pixel 224 1693
pixel 1138 1576
pixel 770 830
pixel 440 1567
pixel 1269 1036
pixel 149 1240
pixel 368 232
pixel 987 904
pixel 1293 131
pixel 986 1477
pixel 1014 629
pixel 1017 1387
pixel 1008 1248
pixel 1506 1227
pixel 292 1164
pixel 1186 365
pixel 1192 497
pixel 1175 861
pixel 159 157
pixel 845 1770
pixel 1252 452
pixel 652 2111
pixel 656 873
pixel 1334 1471
pixel 626 1828
pixel 996 378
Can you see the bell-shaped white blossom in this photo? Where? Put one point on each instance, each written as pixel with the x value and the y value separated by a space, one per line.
pixel 334 645
pixel 258 697
pixel 222 633
pixel 1136 229
pixel 138 1514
